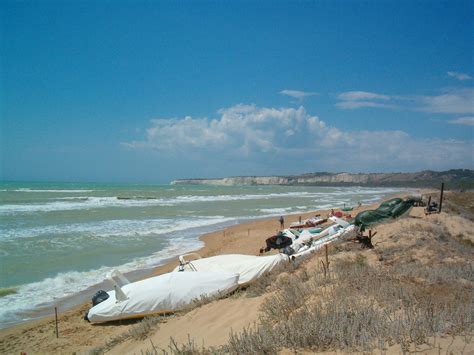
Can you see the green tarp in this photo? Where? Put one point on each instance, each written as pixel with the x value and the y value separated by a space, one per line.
pixel 393 208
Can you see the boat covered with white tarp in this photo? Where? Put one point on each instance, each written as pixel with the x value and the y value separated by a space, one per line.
pixel 248 267
pixel 160 294
pixel 304 238
pixel 315 245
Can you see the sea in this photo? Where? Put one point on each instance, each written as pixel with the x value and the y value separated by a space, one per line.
pixel 58 241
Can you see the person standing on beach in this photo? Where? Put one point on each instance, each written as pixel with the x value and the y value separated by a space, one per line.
pixel 282 222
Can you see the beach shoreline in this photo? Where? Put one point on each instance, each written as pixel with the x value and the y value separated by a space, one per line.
pixel 242 238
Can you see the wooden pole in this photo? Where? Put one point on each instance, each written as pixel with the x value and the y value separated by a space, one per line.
pixel 327 258
pixel 56 318
pixel 441 197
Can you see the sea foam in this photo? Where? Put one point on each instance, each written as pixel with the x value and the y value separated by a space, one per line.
pixel 87 202
pixel 50 290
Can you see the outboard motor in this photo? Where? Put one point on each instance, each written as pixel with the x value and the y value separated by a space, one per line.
pixel 278 241
pixel 99 297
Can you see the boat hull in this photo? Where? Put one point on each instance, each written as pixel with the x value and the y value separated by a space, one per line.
pixel 162 294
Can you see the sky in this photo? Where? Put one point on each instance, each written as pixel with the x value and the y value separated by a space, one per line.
pixel 151 91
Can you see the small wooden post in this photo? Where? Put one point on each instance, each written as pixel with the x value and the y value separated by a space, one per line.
pixel 248 232
pixel 327 258
pixel 427 209
pixel 56 319
pixel 441 197
pixel 224 233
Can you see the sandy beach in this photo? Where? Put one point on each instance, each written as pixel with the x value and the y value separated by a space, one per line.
pixel 78 335
pixel 210 324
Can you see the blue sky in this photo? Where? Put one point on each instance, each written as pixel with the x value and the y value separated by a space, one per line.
pixel 152 91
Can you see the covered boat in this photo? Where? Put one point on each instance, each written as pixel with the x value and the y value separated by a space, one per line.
pixel 160 294
pixel 307 237
pixel 316 244
pixel 248 267
pixel 392 208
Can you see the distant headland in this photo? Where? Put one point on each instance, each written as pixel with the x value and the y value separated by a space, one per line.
pixel 455 178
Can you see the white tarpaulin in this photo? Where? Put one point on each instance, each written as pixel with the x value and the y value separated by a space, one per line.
pixel 161 294
pixel 306 237
pixel 318 244
pixel 248 267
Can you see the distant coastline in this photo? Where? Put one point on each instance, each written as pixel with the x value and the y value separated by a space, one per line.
pixel 454 178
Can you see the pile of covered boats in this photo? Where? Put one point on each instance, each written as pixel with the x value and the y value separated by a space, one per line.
pixel 219 275
pixel 197 277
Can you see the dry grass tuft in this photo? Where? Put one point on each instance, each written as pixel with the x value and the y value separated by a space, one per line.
pixel 360 309
pixel 460 203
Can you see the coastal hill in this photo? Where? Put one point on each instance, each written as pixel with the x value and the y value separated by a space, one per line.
pixel 457 178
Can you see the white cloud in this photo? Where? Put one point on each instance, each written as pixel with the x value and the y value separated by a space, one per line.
pixel 284 140
pixel 466 121
pixel 451 101
pixel 459 76
pixel 351 105
pixel 361 95
pixel 352 100
pixel 241 128
pixel 300 95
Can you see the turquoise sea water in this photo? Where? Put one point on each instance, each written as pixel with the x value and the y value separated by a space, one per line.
pixel 58 239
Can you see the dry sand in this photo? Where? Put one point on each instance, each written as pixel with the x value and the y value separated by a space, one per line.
pixel 210 324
